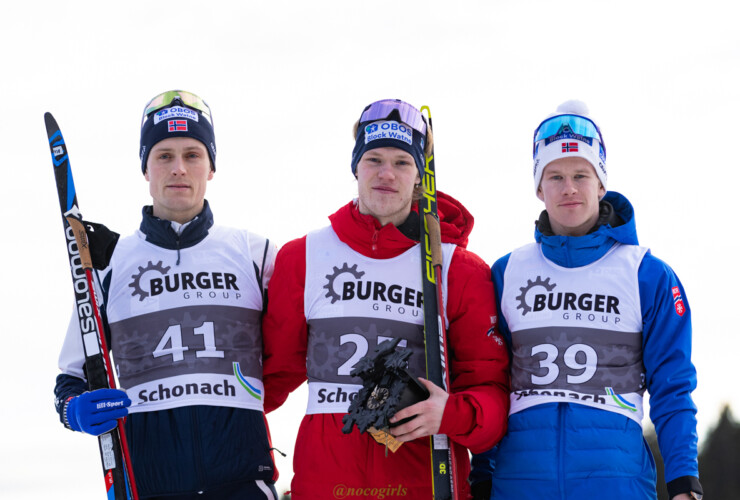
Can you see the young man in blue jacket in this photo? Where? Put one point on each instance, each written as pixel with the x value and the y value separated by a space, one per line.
pixel 593 320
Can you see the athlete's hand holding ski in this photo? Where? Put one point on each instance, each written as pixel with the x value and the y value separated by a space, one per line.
pixel 96 412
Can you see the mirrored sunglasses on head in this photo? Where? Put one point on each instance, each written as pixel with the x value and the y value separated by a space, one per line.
pixel 381 110
pixel 165 100
pixel 575 124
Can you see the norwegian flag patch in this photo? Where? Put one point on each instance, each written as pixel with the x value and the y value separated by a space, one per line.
pixel 177 126
pixel 570 147
pixel 678 301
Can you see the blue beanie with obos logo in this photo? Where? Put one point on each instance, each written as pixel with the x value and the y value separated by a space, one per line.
pixel 389 134
pixel 176 121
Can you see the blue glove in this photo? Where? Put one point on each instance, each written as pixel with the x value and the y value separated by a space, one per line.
pixel 96 412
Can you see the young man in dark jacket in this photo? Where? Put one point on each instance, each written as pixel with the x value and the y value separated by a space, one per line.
pixel 183 301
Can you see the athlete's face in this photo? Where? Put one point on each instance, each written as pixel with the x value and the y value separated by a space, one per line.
pixel 571 191
pixel 178 170
pixel 385 181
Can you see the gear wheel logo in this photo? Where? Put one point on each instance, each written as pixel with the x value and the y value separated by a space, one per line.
pixel 331 292
pixel 136 283
pixel 323 351
pixel 531 284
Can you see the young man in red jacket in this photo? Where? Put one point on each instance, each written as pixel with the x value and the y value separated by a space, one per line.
pixel 339 291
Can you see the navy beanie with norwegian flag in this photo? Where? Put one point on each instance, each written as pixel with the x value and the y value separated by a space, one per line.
pixel 176 121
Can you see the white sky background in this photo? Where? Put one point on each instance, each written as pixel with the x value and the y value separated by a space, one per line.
pixel 286 80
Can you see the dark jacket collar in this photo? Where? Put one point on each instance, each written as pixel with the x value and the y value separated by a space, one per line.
pixel 160 232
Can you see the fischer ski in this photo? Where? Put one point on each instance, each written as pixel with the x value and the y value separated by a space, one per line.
pixel 435 335
pixel 117 469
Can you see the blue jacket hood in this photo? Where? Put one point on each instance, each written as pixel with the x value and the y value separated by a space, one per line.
pixel 577 251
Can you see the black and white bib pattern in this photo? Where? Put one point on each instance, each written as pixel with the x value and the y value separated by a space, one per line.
pixel 190 333
pixel 576 332
pixel 352 303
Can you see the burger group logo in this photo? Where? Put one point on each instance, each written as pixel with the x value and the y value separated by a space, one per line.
pixel 155 279
pixel 540 295
pixel 346 284
pixel 150 268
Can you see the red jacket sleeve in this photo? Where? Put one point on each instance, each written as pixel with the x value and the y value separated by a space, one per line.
pixel 477 409
pixel 284 329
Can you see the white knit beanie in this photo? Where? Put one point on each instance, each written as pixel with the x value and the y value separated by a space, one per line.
pixel 569 144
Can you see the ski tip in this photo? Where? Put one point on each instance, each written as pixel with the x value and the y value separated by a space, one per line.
pixel 428 114
pixel 51 123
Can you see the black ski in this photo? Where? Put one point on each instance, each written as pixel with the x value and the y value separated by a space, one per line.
pixel 119 481
pixel 435 336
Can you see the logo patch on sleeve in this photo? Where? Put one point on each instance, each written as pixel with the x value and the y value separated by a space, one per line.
pixel 492 333
pixel 678 301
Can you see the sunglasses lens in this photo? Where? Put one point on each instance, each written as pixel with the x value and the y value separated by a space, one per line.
pixel 568 126
pixel 408 114
pixel 188 99
pixel 562 124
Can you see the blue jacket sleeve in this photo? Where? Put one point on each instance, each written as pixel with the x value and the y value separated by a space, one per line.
pixel 497 275
pixel 483 464
pixel 670 374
